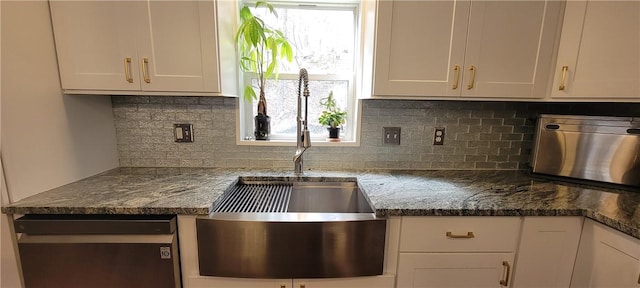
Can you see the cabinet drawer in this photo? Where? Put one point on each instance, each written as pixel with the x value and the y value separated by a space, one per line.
pixel 419 270
pixel 459 234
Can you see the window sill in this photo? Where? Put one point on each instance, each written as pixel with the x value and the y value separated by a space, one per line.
pixel 319 143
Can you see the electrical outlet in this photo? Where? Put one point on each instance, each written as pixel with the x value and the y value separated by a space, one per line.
pixel 183 133
pixel 391 135
pixel 438 136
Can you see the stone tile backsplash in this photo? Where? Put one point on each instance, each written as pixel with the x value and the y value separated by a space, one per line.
pixel 479 135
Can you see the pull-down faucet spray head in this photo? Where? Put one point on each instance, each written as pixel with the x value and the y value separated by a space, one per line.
pixel 306 137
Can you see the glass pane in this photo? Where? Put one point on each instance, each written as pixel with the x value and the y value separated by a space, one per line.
pixel 322 39
pixel 282 105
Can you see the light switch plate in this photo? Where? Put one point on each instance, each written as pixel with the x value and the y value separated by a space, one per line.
pixel 391 135
pixel 183 133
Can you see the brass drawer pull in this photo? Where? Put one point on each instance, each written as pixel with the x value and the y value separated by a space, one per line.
pixel 473 77
pixel 145 72
pixel 283 286
pixel 302 286
pixel 455 84
pixel 505 282
pixel 127 70
pixel 564 77
pixel 468 236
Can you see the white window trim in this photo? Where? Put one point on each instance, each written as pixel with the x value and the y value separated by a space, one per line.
pixel 355 83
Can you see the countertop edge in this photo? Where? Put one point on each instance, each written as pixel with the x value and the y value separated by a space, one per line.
pixel 612 223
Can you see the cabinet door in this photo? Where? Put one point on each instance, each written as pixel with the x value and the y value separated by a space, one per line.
pixel 423 270
pixel 177 48
pixel 599 48
pixel 94 39
pixel 510 47
pixel 220 282
pixel 383 281
pixel 606 258
pixel 547 251
pixel 418 46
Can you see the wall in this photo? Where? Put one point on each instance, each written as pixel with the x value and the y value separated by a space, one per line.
pixel 480 135
pixel 48 139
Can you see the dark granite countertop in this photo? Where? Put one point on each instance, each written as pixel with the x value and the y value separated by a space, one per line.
pixel 393 193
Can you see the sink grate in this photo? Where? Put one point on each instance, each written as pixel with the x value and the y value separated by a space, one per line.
pixel 255 198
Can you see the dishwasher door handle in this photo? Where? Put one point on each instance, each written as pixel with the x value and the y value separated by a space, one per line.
pixel 115 239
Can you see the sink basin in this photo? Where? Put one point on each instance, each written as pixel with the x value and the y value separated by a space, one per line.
pixel 284 228
pixel 279 198
pixel 328 197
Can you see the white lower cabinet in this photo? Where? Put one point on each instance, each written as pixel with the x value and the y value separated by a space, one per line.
pixel 422 270
pixel 221 282
pixel 457 251
pixel 547 251
pixel 606 258
pixel 382 281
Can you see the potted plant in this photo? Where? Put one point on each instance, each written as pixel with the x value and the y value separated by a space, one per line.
pixel 332 117
pixel 261 48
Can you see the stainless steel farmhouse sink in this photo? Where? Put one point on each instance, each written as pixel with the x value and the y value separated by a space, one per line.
pixel 291 228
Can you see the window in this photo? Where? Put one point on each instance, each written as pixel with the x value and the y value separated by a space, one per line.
pixel 323 38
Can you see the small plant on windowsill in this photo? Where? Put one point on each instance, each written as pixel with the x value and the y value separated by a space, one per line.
pixel 261 49
pixel 332 117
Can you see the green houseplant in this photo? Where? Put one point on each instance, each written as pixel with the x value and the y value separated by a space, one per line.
pixel 261 48
pixel 332 117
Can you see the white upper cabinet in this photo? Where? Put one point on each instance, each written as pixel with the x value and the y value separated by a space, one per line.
pixel 124 47
pixel 599 52
pixel 94 45
pixel 178 41
pixel 440 49
pixel 510 44
pixel 416 44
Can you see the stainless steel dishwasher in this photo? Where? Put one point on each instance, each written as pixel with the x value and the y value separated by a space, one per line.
pixel 98 251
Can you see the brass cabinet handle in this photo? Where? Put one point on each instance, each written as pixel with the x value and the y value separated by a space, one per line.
pixel 455 84
pixel 564 77
pixel 302 286
pixel 505 282
pixel 473 77
pixel 127 69
pixel 469 235
pixel 283 286
pixel 145 72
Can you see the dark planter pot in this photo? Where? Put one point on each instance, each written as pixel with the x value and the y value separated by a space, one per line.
pixel 263 127
pixel 334 133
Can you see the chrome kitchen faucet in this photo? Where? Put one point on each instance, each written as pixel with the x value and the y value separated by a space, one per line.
pixel 303 139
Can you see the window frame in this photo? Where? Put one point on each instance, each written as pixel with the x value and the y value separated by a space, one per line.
pixel 245 109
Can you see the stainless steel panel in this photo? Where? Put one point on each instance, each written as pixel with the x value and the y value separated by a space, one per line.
pixel 298 249
pixel 95 224
pixel 326 229
pixel 86 261
pixel 594 148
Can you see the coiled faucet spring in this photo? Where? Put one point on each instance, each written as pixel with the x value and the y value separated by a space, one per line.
pixel 303 138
